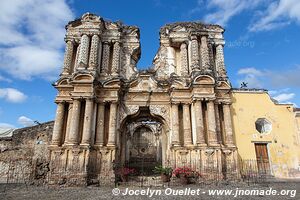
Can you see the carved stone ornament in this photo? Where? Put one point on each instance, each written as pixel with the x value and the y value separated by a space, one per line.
pixel 227 152
pixel 160 110
pixel 209 152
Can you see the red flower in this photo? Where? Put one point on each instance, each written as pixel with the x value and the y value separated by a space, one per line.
pixel 125 171
pixel 186 171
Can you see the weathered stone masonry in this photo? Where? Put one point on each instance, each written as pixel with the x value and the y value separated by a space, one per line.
pixel 104 104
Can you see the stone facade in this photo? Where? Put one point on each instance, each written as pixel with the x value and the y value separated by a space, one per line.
pixel 108 112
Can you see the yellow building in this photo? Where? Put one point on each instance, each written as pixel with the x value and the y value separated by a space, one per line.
pixel 267 132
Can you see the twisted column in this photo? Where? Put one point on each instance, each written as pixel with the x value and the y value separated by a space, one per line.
pixel 58 125
pixel 84 52
pixel 184 59
pixel 187 125
pixel 68 58
pixel 195 53
pixel 115 59
pixel 105 58
pixel 88 120
pixel 220 60
pixel 204 53
pixel 93 60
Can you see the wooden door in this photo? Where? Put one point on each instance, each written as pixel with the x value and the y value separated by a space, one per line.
pixel 262 157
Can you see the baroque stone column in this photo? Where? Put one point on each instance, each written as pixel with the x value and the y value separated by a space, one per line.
pixel 199 123
pixel 204 53
pixel 100 125
pixel 68 57
pixel 112 124
pixel 187 125
pixel 228 125
pixel 184 59
pixel 84 52
pixel 218 124
pixel 195 53
pixel 74 127
pixel 59 124
pixel 105 58
pixel 211 118
pixel 70 109
pixel 115 59
pixel 93 61
pixel 87 122
pixel 220 65
pixel 175 125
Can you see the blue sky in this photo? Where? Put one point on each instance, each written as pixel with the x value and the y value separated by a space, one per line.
pixel 262 45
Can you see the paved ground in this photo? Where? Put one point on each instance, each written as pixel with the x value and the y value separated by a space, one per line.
pixel 18 192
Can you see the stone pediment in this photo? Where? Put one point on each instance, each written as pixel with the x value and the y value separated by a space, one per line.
pixel 204 80
pixel 178 84
pixel 83 78
pixel 61 82
pixel 223 85
pixel 144 83
pixel 87 20
pixel 112 26
pixel 88 17
pixel 179 29
pixel 111 83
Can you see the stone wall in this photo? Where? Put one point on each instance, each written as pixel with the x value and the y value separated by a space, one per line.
pixel 24 156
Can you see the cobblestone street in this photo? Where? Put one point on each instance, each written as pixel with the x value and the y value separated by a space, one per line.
pixel 18 192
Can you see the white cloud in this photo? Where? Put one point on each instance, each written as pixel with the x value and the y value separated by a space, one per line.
pixel 272 79
pixel 223 10
pixel 286 78
pixel 250 70
pixel 32 37
pixel 251 76
pixel 6 126
pixel 278 14
pixel 12 95
pixel 284 97
pixel 2 78
pixel 256 78
pixel 226 9
pixel 25 121
pixel 266 14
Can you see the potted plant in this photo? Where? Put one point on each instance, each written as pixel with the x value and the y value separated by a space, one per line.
pixel 124 172
pixel 165 173
pixel 186 175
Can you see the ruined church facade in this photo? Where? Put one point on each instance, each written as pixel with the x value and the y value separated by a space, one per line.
pixel 177 113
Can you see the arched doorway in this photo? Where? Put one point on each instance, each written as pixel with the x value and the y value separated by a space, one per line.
pixel 141 142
